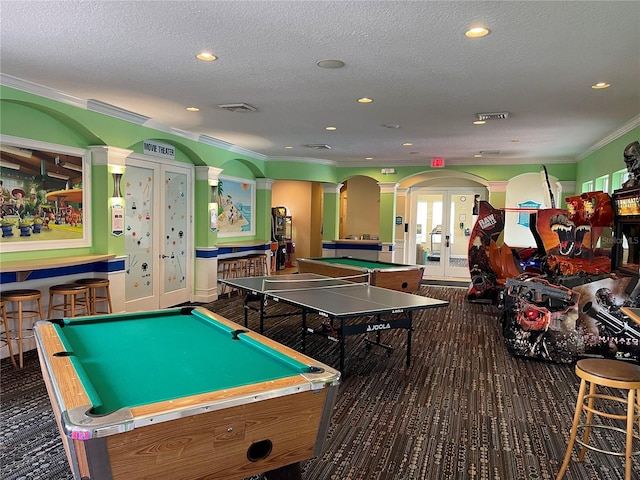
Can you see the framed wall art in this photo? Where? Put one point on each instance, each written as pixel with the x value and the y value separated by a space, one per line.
pixel 236 207
pixel 44 202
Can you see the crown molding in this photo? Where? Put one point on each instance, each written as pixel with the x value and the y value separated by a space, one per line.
pixel 120 113
pixel 320 161
pixel 627 127
pixel 41 91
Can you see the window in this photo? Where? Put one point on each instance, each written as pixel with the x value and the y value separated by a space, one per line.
pixel 602 183
pixel 587 186
pixel 618 178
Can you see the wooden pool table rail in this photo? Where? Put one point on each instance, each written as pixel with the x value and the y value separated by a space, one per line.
pixel 403 278
pixel 212 433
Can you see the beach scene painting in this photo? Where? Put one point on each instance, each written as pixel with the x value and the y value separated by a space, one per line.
pixel 236 207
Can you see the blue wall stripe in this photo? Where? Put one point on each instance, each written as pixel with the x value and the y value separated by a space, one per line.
pixel 222 250
pixel 44 273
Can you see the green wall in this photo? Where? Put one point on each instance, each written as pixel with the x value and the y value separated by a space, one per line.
pixel 606 160
pixel 68 122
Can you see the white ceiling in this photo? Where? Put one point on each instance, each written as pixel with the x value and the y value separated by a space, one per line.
pixel 411 57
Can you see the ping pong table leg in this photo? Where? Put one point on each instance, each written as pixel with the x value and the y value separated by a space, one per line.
pixel 342 338
pixel 246 310
pixel 263 300
pixel 409 330
pixel 304 329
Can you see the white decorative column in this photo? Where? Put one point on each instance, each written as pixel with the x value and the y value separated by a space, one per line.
pixel 387 220
pixel 206 257
pixel 110 162
pixel 330 217
pixel 400 237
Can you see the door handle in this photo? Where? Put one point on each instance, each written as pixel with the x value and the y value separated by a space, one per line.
pixel 166 256
pixel 446 241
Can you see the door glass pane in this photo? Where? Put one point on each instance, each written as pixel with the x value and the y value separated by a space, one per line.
pixel 461 224
pixel 429 234
pixel 176 231
pixel 138 232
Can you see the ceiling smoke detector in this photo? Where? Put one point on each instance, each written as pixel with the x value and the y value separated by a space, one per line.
pixel 319 146
pixel 492 116
pixel 238 107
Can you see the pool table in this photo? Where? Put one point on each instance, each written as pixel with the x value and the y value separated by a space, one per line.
pixel 181 393
pixel 395 276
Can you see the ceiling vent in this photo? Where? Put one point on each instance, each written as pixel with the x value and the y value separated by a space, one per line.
pixel 238 107
pixel 493 116
pixel 489 152
pixel 319 146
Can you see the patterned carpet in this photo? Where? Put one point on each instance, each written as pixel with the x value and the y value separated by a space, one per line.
pixel 465 409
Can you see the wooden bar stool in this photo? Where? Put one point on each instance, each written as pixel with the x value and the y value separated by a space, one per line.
pixel 74 297
pixel 19 313
pixel 7 335
pixel 93 284
pixel 241 267
pixel 226 269
pixel 264 265
pixel 258 265
pixel 613 374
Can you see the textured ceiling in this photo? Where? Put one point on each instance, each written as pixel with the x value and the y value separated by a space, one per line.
pixel 411 57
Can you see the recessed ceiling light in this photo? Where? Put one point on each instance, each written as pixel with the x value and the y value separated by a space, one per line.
pixel 391 125
pixel 478 155
pixel 515 140
pixel 206 57
pixel 368 158
pixel 330 128
pixel 288 146
pixel 193 109
pixel 407 144
pixel 479 122
pixel 365 100
pixel 477 32
pixel 330 63
pixel 600 85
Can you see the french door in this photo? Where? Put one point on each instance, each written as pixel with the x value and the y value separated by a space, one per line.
pixel 440 230
pixel 158 234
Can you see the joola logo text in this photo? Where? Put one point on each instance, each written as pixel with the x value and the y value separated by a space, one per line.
pixel 380 326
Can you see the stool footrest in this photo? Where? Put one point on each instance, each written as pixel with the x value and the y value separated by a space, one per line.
pixel 606 427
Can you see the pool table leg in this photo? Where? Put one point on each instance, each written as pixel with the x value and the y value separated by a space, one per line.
pixel 289 472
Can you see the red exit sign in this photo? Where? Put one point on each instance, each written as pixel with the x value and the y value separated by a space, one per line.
pixel 437 162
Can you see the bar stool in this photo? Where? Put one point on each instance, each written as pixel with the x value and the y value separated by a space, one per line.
pixel 5 323
pixel 613 374
pixel 258 265
pixel 19 313
pixel 93 284
pixel 74 297
pixel 241 267
pixel 226 269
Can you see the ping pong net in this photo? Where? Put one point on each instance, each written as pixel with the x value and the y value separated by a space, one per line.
pixel 289 285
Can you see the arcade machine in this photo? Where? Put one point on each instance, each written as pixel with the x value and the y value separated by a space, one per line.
pixel 282 232
pixel 626 245
pixel 569 302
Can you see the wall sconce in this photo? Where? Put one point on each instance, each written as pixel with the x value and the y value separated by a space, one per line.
pixel 214 193
pixel 117 179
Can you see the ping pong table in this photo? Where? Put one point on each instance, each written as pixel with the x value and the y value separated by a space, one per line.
pixel 338 300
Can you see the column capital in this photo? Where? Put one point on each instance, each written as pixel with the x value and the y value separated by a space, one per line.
pixel 331 187
pixel 264 183
pixel 208 173
pixel 497 186
pixel 388 187
pixel 106 155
